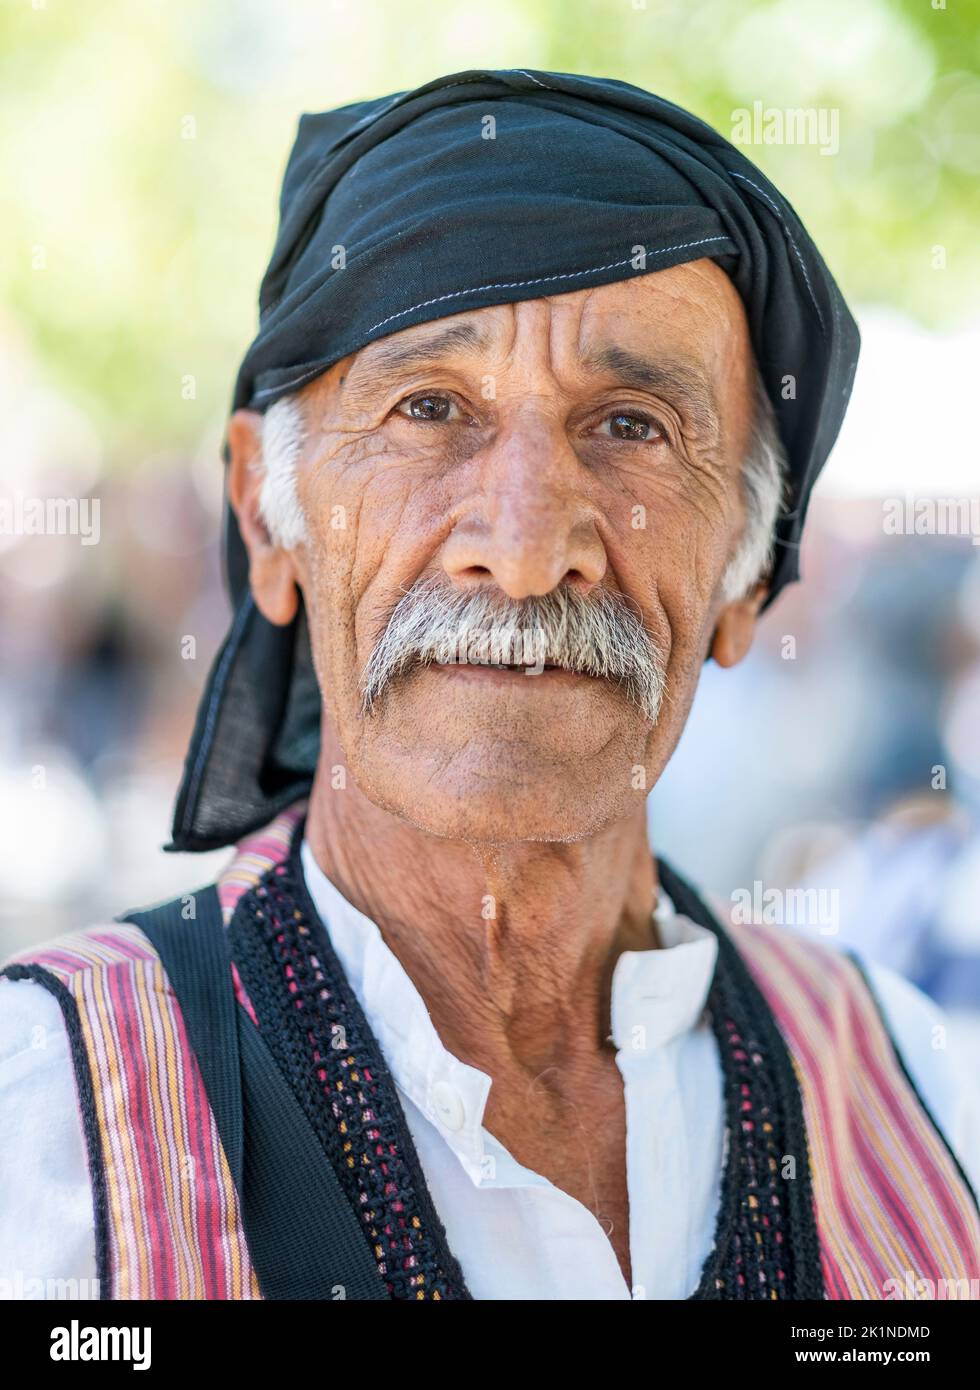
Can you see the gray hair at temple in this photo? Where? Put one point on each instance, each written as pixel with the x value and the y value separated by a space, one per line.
pixel 763 480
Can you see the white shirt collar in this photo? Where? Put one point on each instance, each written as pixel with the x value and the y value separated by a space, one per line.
pixel 661 992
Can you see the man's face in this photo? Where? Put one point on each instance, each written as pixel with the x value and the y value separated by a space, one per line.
pixel 592 440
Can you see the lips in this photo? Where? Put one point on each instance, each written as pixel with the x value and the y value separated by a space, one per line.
pixel 464 669
pixel 498 666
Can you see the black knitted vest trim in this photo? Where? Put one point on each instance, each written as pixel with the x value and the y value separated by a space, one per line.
pixel 313 1023
pixel 766 1244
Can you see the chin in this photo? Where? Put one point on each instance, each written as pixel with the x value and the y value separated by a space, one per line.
pixel 496 792
pixel 498 819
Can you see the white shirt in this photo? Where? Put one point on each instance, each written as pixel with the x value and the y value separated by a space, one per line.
pixel 515 1234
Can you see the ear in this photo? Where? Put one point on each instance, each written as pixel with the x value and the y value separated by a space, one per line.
pixel 271 570
pixel 736 627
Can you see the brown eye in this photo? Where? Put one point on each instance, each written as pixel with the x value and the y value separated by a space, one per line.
pixel 429 407
pixel 625 425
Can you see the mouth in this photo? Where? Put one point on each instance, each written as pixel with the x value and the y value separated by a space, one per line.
pixel 505 673
pixel 498 666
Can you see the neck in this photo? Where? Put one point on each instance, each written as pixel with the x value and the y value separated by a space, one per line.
pixel 511 946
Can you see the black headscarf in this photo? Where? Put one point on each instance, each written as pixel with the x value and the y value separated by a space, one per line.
pixel 486 188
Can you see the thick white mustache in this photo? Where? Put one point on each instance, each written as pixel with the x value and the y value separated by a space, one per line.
pixel 598 634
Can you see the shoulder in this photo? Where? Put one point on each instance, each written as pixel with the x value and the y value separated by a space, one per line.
pixel 938 1059
pixel 838 991
pixel 39 989
pixel 93 948
pixel 802 965
pixel 46 989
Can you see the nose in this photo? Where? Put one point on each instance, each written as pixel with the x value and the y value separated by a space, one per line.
pixel 528 527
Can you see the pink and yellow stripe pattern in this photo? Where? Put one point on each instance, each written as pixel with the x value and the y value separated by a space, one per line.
pixel 895 1217
pixel 255 855
pixel 171 1212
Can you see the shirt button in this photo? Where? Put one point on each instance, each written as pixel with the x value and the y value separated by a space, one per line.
pixel 448 1105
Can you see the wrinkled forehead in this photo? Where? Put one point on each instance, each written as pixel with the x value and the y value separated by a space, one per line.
pixel 681 332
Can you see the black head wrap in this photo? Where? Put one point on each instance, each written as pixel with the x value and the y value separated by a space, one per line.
pixel 485 188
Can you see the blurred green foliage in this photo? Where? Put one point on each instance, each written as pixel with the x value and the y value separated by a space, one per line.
pixel 143 141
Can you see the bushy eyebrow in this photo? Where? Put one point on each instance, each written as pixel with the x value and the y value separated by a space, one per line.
pixel 389 356
pixel 677 382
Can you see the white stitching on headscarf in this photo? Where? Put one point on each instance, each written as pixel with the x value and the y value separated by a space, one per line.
pixel 500 285
pixel 789 237
pixel 535 79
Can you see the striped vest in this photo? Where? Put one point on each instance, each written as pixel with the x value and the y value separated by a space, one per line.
pixel 837 1182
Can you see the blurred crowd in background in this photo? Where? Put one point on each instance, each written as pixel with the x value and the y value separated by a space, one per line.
pixel 142 151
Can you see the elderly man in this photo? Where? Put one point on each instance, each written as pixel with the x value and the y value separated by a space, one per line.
pixel 545 373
